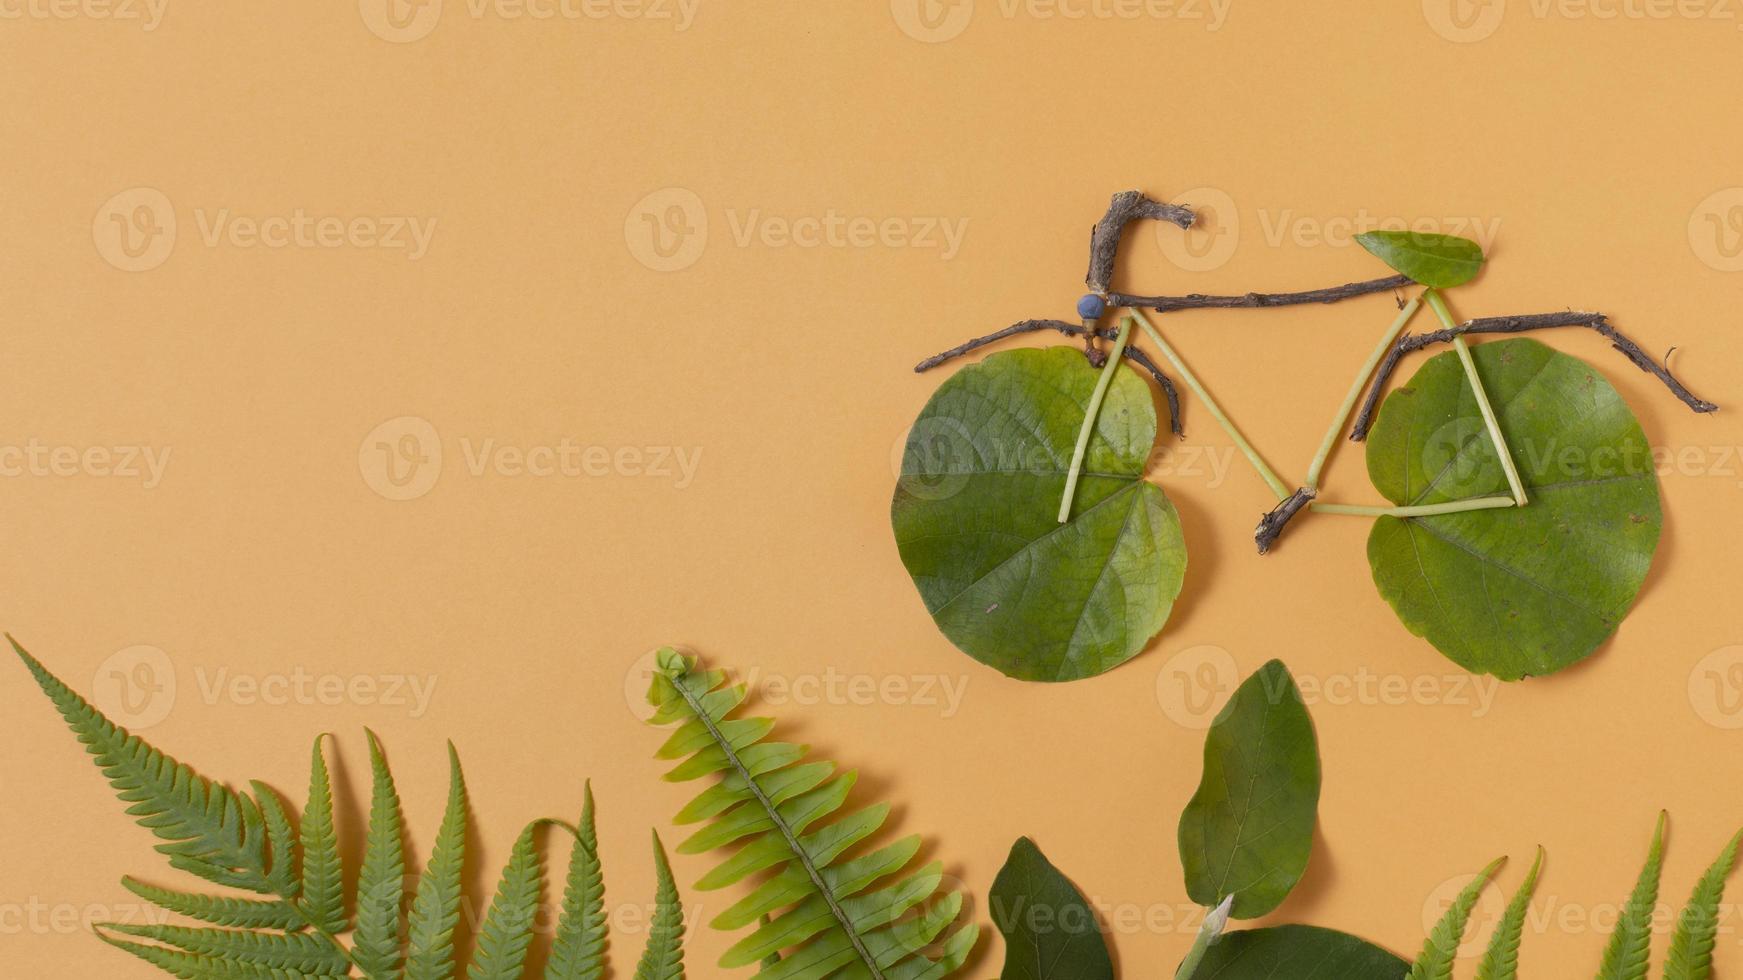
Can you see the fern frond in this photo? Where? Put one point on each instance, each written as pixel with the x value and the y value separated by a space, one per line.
pixel 281 875
pixel 1501 962
pixel 192 966
pixel 323 898
pixel 1630 950
pixel 204 824
pixel 249 840
pixel 381 886
pixel 787 816
pixel 303 952
pixel 1691 949
pixel 242 913
pixel 1442 949
pixel 578 951
pixel 436 907
pixel 508 926
pixel 663 959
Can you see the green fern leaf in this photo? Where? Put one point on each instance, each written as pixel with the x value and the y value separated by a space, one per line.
pixel 1691 949
pixel 300 951
pixel 786 816
pixel 663 959
pixel 239 913
pixel 1442 949
pixel 381 886
pixel 282 874
pixel 323 876
pixel 578 951
pixel 508 926
pixel 204 824
pixel 436 908
pixel 1630 950
pixel 191 966
pixel 1501 962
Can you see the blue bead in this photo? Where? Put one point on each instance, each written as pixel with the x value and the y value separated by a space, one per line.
pixel 1091 307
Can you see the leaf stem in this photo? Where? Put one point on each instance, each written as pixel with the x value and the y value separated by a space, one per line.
pixel 1210 404
pixel 1215 920
pixel 1361 382
pixel 1089 416
pixel 1483 406
pixel 1418 510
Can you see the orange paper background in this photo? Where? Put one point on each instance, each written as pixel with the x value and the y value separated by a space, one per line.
pixel 1598 155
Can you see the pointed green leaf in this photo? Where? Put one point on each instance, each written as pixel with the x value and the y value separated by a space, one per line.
pixel 282 875
pixel 323 886
pixel 1050 931
pixel 508 926
pixel 1518 591
pixel 1440 261
pixel 204 824
pixel 1298 953
pixel 219 911
pixel 193 966
pixel 381 886
pixel 578 952
pixel 1629 953
pixel 1691 949
pixel 663 958
pixel 1441 950
pixel 436 907
pixel 304 952
pixel 1248 831
pixel 976 517
pixel 1501 961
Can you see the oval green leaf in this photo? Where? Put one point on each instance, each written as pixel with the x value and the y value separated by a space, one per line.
pixel 1440 261
pixel 977 524
pixel 1516 592
pixel 1050 931
pixel 1299 953
pixel 1248 830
